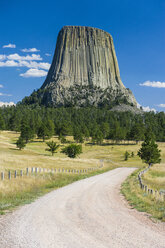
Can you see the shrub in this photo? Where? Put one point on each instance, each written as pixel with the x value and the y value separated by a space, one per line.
pixel 72 150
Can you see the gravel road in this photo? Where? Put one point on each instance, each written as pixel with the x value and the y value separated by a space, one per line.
pixel 89 213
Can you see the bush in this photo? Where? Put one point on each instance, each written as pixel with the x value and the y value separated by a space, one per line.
pixel 126 155
pixel 72 150
pixel 132 154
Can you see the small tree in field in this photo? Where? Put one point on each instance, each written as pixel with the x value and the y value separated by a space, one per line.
pixel 72 150
pixel 149 152
pixel 126 155
pixel 52 147
pixel 132 154
pixel 20 143
pixel 26 133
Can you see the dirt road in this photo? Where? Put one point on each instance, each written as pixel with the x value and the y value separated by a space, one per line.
pixel 87 214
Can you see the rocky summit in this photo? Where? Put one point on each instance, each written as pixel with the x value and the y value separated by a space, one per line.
pixel 84 71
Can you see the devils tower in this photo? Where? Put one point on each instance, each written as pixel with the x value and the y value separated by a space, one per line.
pixel 84 71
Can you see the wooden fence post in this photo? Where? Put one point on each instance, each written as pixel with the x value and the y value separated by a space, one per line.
pixel 15 174
pixel 9 175
pixel 161 196
pixel 2 176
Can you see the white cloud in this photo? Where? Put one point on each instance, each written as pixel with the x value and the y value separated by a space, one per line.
pixel 34 64
pixel 162 105
pixel 2 57
pixel 23 63
pixel 9 46
pixel 48 54
pixel 30 50
pixel 8 63
pixel 17 57
pixel 146 109
pixel 154 84
pixel 43 65
pixel 34 73
pixel 36 68
pixel 6 104
pixel 138 105
pixel 1 86
pixel 2 94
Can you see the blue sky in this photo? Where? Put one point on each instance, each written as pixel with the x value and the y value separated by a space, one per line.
pixel 137 27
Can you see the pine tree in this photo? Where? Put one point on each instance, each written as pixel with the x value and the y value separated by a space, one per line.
pixel 149 152
pixel 26 132
pixel 50 126
pixel 2 123
pixel 52 147
pixel 20 143
pixel 43 132
pixel 78 136
pixel 86 134
pixel 137 132
pixel 105 129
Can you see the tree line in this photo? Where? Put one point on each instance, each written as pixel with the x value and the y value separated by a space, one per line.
pixel 81 123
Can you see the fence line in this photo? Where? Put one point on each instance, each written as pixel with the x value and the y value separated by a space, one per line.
pixel 155 193
pixel 38 170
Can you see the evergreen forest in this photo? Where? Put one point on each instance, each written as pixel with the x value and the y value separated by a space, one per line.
pixel 81 123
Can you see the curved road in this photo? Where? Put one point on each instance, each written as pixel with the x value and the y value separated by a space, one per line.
pixel 90 213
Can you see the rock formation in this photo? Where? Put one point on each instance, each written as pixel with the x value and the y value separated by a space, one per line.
pixel 84 71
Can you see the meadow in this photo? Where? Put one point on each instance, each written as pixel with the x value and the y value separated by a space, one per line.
pixel 25 189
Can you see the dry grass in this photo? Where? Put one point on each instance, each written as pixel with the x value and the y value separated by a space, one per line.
pixel 155 176
pixel 155 179
pixel 23 190
pixel 34 154
pixel 141 200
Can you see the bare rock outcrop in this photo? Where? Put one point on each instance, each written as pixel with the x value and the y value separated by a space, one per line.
pixel 84 71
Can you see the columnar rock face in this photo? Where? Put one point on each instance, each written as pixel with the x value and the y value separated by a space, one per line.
pixel 84 70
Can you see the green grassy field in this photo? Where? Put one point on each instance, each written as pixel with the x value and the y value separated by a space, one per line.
pixel 19 191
